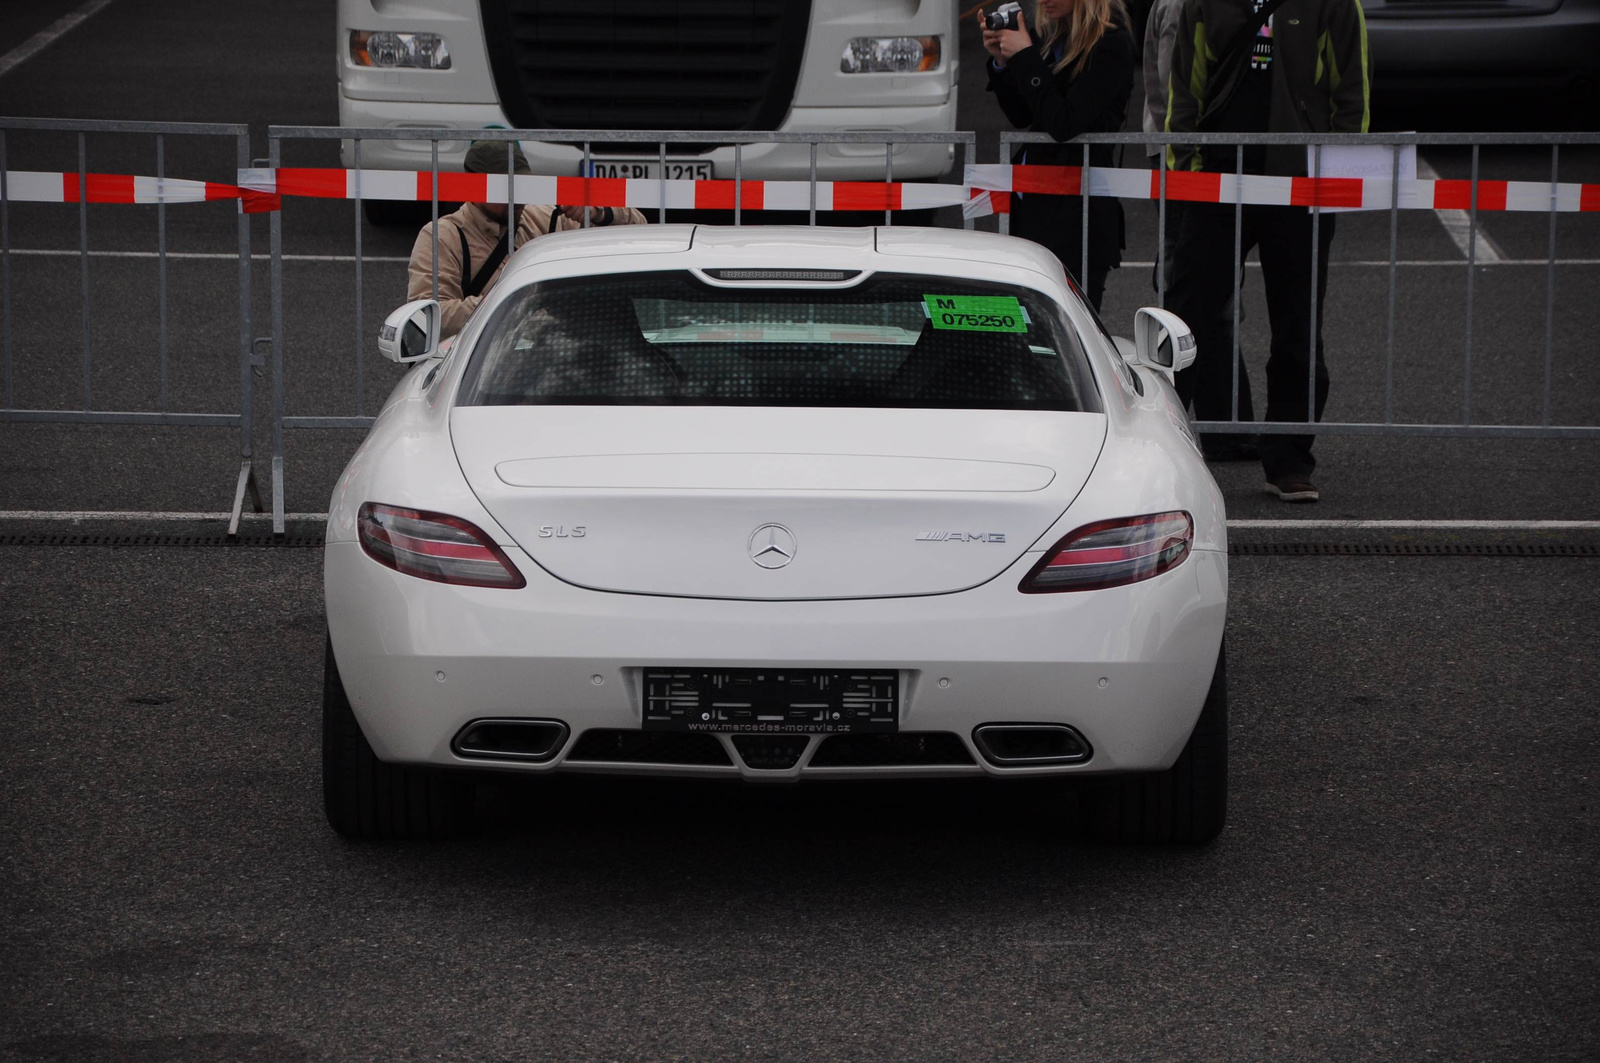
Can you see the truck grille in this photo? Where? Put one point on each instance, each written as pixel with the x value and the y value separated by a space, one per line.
pixel 646 64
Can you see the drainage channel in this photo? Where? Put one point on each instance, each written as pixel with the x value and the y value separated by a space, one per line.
pixel 312 539
pixel 299 540
pixel 1413 549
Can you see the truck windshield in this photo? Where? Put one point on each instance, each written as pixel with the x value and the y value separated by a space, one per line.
pixel 669 338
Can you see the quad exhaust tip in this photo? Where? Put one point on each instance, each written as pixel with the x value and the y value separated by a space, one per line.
pixel 1030 745
pixel 520 740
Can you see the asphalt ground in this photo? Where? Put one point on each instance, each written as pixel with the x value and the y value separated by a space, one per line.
pixel 1408 870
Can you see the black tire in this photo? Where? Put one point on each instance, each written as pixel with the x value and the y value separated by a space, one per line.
pixel 1188 803
pixel 366 798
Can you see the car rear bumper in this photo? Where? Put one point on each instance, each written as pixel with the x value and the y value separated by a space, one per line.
pixel 1128 668
pixel 765 162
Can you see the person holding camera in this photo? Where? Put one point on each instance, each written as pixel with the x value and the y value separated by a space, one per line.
pixel 1070 73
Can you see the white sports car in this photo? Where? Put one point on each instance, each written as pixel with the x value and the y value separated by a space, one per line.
pixel 779 503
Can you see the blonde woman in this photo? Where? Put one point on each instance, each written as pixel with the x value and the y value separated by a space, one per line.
pixel 1071 72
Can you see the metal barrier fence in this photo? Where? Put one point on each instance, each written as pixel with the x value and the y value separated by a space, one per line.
pixel 1558 201
pixel 980 191
pixel 277 136
pixel 159 191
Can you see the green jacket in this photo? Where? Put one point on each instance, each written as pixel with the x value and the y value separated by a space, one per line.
pixel 1321 76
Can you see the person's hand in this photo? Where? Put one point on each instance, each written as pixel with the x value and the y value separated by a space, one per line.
pixel 597 215
pixel 991 41
pixel 1003 44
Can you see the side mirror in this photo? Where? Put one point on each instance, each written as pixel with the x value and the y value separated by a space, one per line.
pixel 1162 341
pixel 411 333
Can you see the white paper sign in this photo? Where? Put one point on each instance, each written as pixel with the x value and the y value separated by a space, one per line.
pixel 1373 163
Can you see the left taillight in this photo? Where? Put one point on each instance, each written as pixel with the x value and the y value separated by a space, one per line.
pixel 1111 553
pixel 434 546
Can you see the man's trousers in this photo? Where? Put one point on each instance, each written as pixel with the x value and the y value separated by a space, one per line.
pixel 1202 284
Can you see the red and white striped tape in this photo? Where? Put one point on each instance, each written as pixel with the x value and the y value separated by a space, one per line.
pixel 985 191
pixel 1346 192
pixel 28 186
pixel 645 194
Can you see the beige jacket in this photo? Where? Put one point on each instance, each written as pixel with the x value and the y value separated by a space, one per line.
pixel 482 232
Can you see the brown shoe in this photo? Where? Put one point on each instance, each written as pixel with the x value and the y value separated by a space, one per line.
pixel 1294 489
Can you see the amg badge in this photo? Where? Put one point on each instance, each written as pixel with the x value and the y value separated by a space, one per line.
pixel 961 537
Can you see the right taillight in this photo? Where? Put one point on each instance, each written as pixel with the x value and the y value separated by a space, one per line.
pixel 1110 553
pixel 434 546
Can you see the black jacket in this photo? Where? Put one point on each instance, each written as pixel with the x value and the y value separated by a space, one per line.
pixel 1321 76
pixel 1096 101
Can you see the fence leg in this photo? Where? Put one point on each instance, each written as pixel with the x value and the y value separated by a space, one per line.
pixel 274 160
pixel 1238 270
pixel 161 260
pixel 83 258
pixel 361 384
pixel 1161 232
pixel 246 363
pixel 1472 269
pixel 1394 261
pixel 1316 326
pixel 1083 228
pixel 1550 283
pixel 888 182
pixel 811 218
pixel 961 167
pixel 247 482
pixel 661 185
pixel 5 275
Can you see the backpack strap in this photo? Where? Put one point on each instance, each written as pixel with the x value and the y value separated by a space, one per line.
pixel 480 280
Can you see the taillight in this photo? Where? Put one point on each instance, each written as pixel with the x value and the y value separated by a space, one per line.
pixel 1110 553
pixel 434 546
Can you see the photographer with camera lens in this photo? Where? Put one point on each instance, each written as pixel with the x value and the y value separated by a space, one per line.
pixel 1071 73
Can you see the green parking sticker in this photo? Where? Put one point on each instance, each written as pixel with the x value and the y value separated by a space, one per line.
pixel 976 313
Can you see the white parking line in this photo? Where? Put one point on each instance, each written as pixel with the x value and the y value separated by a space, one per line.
pixel 1458 223
pixel 48 36
pixel 1361 263
pixel 76 516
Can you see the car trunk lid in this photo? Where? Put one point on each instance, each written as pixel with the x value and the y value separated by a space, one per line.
pixel 771 503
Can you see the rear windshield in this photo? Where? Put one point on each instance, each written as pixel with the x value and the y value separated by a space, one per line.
pixel 669 338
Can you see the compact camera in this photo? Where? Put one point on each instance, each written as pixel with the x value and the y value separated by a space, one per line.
pixel 1004 17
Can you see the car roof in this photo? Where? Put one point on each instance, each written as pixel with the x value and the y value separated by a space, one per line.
pixel 634 247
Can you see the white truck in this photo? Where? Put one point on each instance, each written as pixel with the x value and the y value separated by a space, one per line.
pixel 793 65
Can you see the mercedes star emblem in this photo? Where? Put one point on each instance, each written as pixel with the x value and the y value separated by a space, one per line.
pixel 772 546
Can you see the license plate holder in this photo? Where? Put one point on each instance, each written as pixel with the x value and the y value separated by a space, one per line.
pixel 772 700
pixel 648 168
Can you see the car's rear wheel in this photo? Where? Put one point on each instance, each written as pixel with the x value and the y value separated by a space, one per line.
pixel 1187 803
pixel 366 798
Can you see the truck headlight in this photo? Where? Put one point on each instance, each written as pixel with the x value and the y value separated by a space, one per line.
pixel 421 51
pixel 889 55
